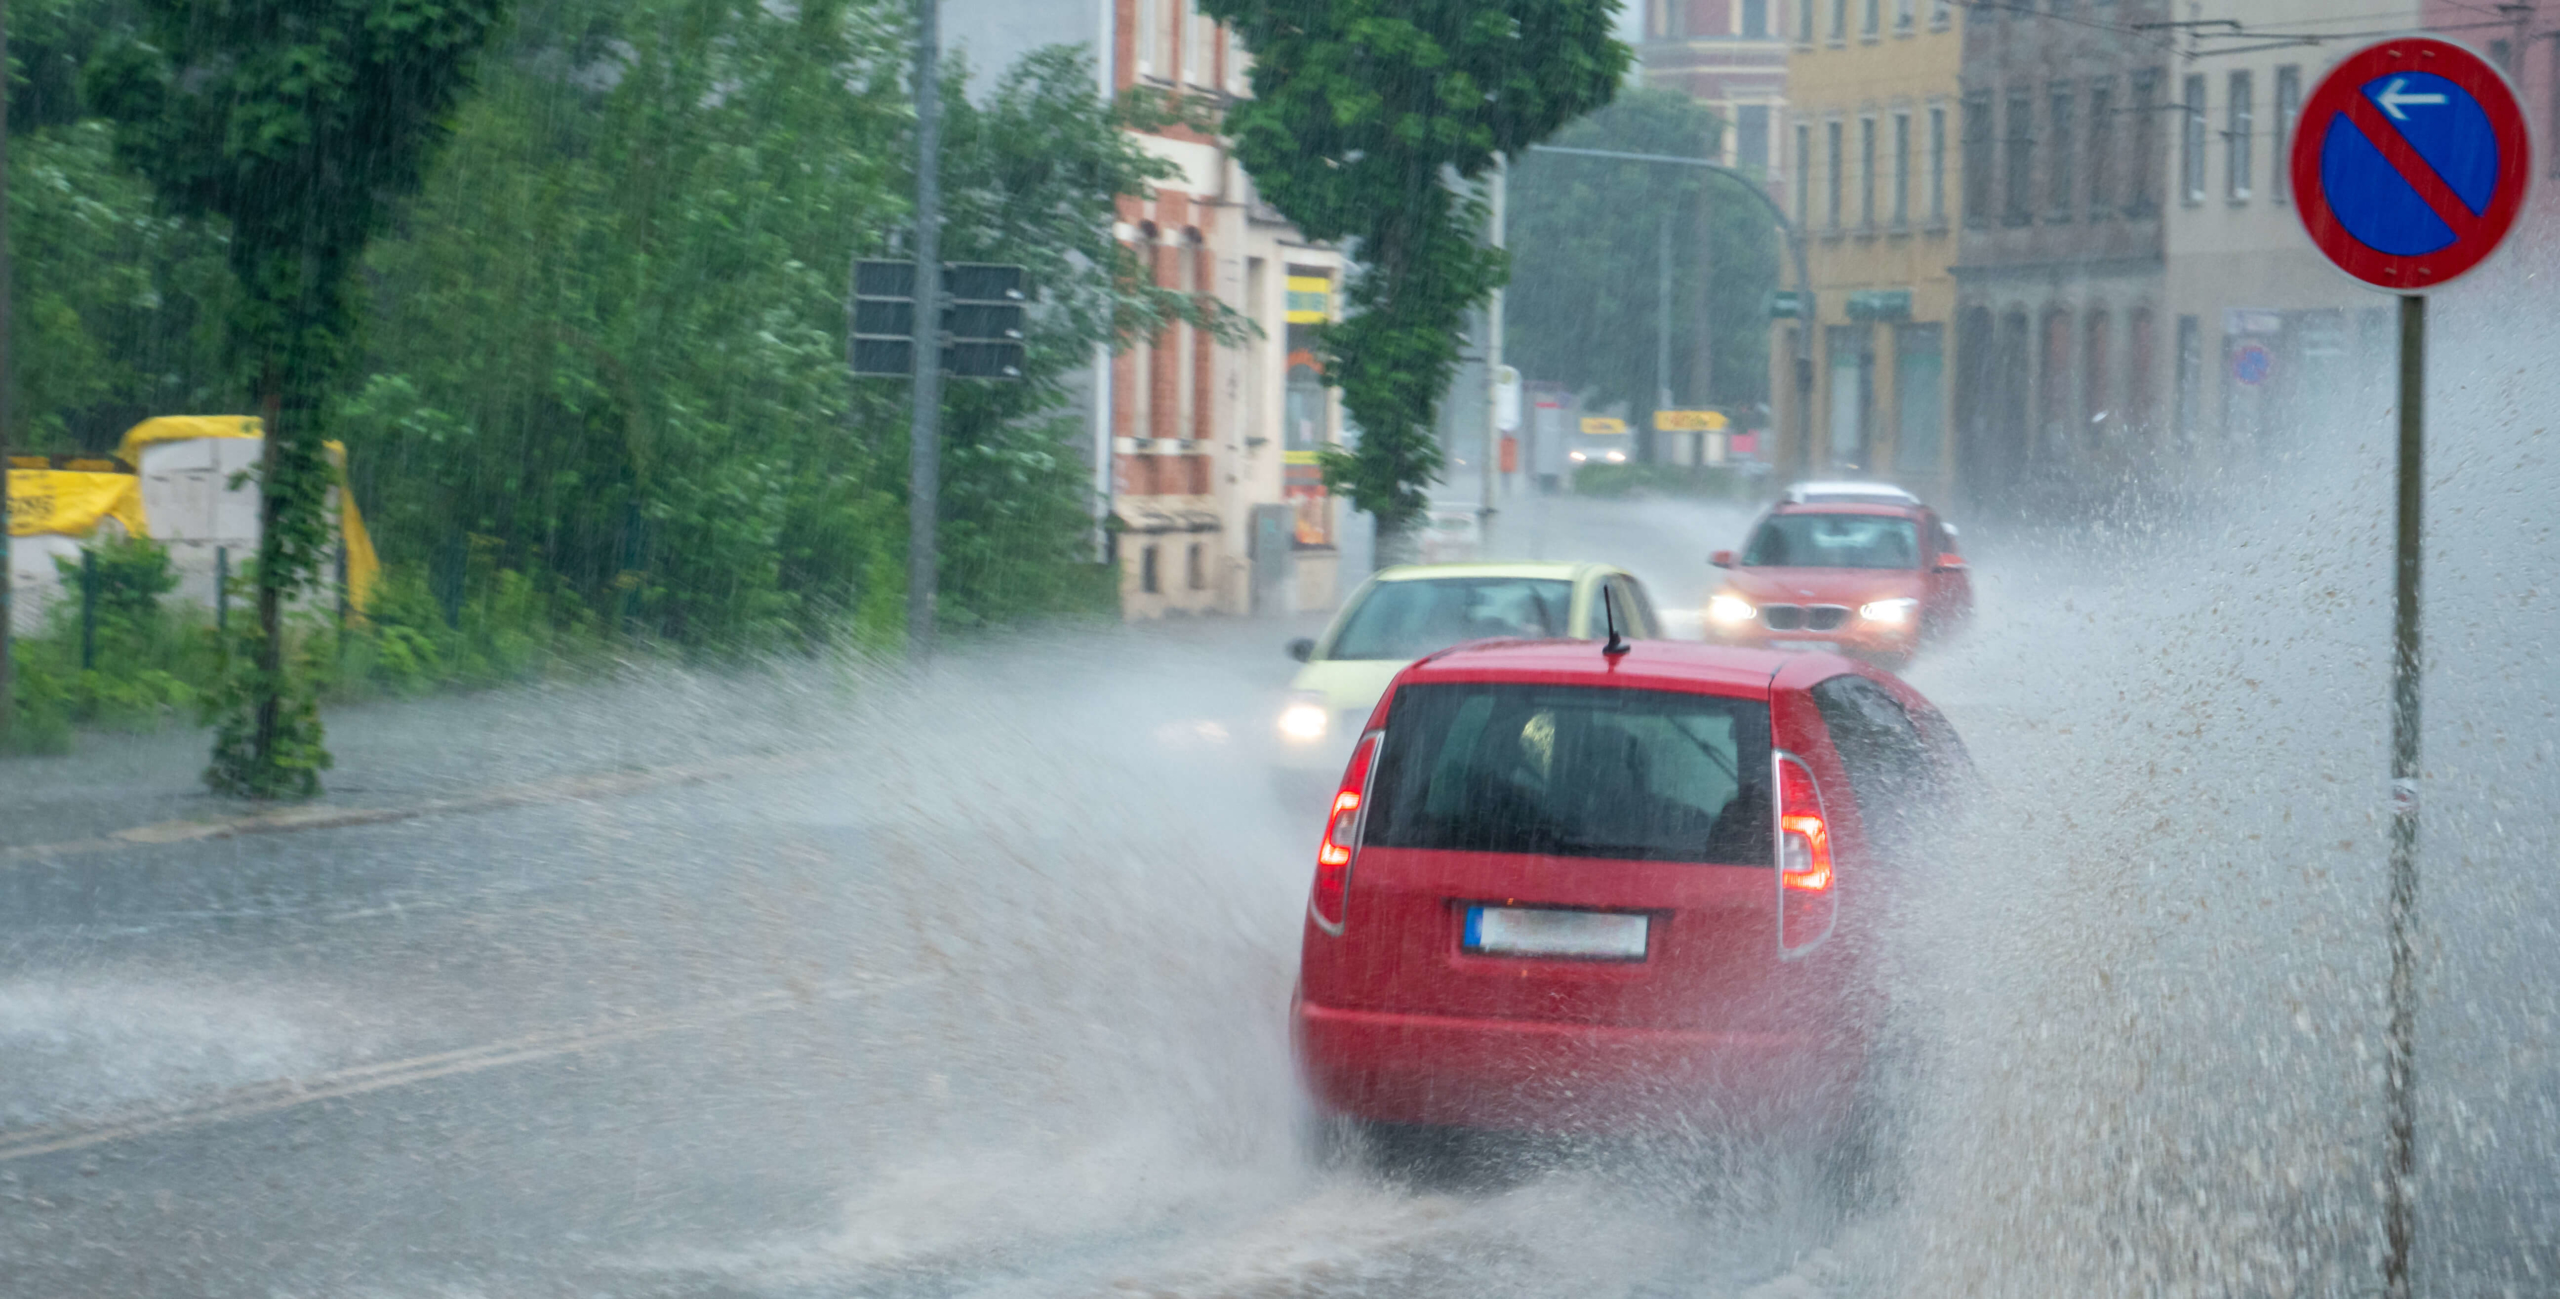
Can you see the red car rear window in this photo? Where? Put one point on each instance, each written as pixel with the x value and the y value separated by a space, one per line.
pixel 1574 771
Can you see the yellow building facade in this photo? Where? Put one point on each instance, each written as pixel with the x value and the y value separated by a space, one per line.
pixel 1872 180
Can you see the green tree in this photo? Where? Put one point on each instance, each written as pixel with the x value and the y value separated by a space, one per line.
pixel 300 123
pixel 1370 123
pixel 609 348
pixel 1586 282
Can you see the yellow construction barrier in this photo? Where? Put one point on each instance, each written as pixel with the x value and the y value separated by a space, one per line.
pixel 72 502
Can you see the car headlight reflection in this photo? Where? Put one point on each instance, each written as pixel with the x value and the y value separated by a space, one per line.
pixel 1304 720
pixel 1730 610
pixel 1890 613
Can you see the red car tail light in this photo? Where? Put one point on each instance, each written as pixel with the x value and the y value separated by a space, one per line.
pixel 1341 839
pixel 1806 902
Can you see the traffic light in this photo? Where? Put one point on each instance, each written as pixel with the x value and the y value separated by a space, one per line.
pixel 984 308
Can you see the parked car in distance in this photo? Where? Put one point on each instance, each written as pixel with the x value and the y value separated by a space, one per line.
pixel 1563 890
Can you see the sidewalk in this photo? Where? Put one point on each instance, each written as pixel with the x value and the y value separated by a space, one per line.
pixel 397 754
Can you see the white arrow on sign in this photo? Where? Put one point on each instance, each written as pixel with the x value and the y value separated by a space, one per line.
pixel 2393 98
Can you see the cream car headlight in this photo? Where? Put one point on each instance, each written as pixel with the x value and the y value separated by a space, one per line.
pixel 1890 613
pixel 1730 610
pixel 1304 720
pixel 1580 456
pixel 1617 457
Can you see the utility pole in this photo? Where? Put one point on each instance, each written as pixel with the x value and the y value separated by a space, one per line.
pixel 8 682
pixel 1661 327
pixel 1493 355
pixel 924 431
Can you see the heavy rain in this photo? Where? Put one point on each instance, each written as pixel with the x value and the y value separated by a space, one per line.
pixel 1719 648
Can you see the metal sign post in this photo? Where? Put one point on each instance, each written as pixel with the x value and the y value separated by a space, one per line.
pixel 2411 165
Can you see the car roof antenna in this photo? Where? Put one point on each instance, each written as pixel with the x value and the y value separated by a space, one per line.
pixel 1609 609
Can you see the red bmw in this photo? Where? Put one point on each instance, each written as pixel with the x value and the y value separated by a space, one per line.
pixel 1570 890
pixel 1873 574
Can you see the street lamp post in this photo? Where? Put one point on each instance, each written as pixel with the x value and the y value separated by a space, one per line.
pixel 1493 351
pixel 924 429
pixel 1799 360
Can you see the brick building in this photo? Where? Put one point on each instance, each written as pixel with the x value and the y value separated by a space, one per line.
pixel 1204 454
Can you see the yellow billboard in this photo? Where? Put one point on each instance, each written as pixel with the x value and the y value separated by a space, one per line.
pixel 1689 421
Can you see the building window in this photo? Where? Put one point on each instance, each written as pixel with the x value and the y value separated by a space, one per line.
pixel 2055 366
pixel 1755 17
pixel 1195 568
pixel 1937 165
pixel 1941 13
pixel 1150 27
pixel 2102 148
pixel 2093 375
pixel 2058 178
pixel 1149 580
pixel 1839 21
pixel 1866 173
pixel 2020 158
pixel 2191 144
pixel 1804 176
pixel 2138 360
pixel 1919 397
pixel 2243 134
pixel 1871 23
pixel 2503 53
pixel 1831 168
pixel 1804 22
pixel 2146 142
pixel 1751 138
pixel 1196 30
pixel 2288 107
pixel 2190 377
pixel 1903 16
pixel 1977 159
pixel 1901 171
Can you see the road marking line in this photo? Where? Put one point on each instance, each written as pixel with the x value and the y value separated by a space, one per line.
pixel 563 789
pixel 357 1080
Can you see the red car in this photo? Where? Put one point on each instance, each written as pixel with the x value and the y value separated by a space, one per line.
pixel 1556 893
pixel 1872 575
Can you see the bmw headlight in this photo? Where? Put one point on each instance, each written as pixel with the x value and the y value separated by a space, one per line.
pixel 1304 720
pixel 1890 613
pixel 1730 610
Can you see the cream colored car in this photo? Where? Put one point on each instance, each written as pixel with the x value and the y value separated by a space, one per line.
pixel 1403 613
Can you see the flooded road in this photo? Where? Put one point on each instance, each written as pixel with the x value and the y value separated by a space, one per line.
pixel 813 983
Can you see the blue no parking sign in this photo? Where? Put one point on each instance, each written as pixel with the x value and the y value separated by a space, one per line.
pixel 2410 166
pixel 2411 163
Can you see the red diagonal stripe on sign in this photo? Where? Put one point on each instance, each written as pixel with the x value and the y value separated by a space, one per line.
pixel 2412 166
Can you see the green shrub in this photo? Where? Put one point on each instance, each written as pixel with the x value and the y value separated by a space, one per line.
pixel 1706 482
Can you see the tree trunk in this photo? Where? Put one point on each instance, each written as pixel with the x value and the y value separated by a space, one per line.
pixel 270 681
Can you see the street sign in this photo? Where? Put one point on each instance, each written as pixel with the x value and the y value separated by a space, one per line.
pixel 1689 421
pixel 2251 364
pixel 1603 425
pixel 2411 163
pixel 1880 304
pixel 2410 166
pixel 984 310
